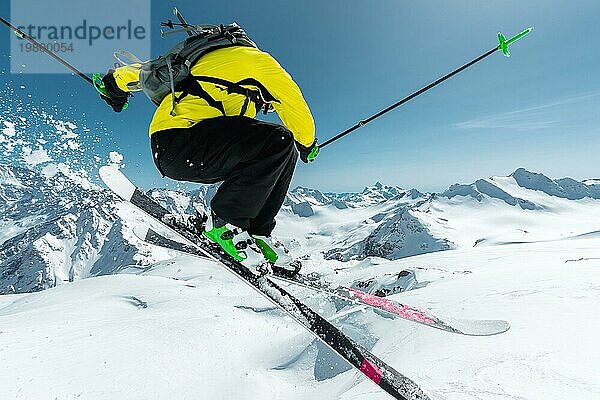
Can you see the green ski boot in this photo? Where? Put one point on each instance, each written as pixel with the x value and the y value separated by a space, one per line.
pixel 278 256
pixel 236 242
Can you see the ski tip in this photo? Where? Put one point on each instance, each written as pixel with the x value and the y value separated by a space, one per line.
pixel 503 326
pixel 141 232
pixel 480 327
pixel 117 182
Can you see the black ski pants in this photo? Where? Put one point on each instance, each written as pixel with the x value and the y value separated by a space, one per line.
pixel 255 160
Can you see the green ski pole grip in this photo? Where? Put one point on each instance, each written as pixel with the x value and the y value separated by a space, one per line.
pixel 313 154
pixel 503 43
pixel 98 84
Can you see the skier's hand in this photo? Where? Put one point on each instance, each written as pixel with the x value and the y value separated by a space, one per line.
pixel 308 154
pixel 115 97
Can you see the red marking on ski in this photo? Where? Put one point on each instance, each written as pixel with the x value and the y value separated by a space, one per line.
pixel 371 370
pixel 387 305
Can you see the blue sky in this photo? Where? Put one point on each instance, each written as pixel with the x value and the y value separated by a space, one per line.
pixel 538 109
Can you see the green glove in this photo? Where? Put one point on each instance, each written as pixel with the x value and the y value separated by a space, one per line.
pixel 308 154
pixel 115 97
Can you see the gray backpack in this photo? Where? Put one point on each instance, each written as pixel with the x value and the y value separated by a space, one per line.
pixel 170 73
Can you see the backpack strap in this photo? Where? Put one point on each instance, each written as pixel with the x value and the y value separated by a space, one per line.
pixel 266 98
pixel 261 97
pixel 172 85
pixel 192 87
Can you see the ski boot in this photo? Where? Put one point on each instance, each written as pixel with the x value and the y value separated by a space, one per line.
pixel 278 256
pixel 237 243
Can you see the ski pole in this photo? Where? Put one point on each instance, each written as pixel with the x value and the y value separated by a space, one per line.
pixel 95 80
pixel 503 45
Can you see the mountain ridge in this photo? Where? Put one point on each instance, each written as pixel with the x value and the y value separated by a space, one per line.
pixel 58 228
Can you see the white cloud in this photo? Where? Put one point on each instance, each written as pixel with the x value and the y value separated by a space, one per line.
pixel 539 117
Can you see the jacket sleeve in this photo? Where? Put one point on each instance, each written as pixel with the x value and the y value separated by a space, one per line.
pixel 128 78
pixel 292 108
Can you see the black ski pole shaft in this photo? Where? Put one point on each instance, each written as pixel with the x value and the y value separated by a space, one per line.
pixel 37 44
pixel 502 46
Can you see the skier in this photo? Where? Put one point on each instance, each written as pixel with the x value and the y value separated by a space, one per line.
pixel 209 134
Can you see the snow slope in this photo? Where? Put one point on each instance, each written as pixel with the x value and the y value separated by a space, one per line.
pixel 205 335
pixel 140 337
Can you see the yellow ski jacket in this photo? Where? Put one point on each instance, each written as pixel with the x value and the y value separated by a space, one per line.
pixel 232 64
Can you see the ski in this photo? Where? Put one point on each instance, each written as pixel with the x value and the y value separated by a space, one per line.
pixel 387 378
pixel 355 296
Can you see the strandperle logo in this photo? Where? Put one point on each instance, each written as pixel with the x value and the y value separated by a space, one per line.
pixel 79 33
pixel 85 31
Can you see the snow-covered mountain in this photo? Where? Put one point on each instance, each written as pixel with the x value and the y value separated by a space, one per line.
pixel 57 227
pixel 301 200
pixel 393 223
